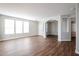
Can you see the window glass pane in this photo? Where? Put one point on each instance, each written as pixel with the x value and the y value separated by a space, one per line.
pixel 18 26
pixel 9 26
pixel 26 27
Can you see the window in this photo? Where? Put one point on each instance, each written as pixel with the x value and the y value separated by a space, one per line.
pixel 12 27
pixel 26 27
pixel 18 26
pixel 9 26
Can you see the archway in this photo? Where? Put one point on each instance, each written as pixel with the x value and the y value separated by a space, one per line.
pixel 51 28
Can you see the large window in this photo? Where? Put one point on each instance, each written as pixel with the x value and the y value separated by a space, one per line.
pixel 9 26
pixel 18 26
pixel 26 27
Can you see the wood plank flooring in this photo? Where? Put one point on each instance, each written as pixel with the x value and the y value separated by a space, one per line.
pixel 37 46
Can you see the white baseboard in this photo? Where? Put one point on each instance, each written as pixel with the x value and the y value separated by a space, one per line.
pixel 4 39
pixel 64 40
pixel 77 52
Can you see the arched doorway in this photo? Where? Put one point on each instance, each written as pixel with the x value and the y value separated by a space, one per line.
pixel 51 27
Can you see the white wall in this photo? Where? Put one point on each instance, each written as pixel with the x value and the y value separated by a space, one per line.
pixel 33 28
pixel 42 28
pixel 77 29
pixel 52 28
pixel 73 28
pixel 42 24
pixel 64 29
pixel 73 24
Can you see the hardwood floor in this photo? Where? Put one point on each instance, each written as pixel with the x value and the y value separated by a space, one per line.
pixel 37 46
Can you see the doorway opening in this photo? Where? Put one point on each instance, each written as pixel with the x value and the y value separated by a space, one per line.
pixel 73 28
pixel 52 28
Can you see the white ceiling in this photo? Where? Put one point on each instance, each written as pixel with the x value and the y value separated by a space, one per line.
pixel 34 11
